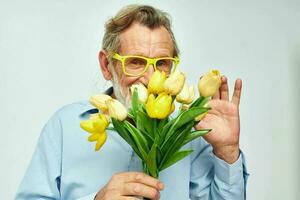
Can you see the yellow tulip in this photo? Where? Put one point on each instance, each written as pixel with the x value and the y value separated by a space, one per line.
pixel 156 82
pixel 93 137
pixel 99 138
pixel 174 83
pixel 159 107
pixel 172 108
pixel 98 101
pixel 116 109
pixel 100 141
pixel 209 84
pixel 96 125
pixel 102 122
pixel 88 125
pixel 186 96
pixel 142 91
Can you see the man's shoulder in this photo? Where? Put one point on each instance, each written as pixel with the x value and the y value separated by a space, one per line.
pixel 73 110
pixel 67 117
pixel 78 106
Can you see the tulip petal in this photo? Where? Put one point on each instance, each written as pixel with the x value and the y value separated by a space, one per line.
pixel 174 83
pixel 116 109
pixel 93 137
pixel 95 125
pixel 142 92
pixel 186 95
pixel 159 107
pixel 101 140
pixel 88 126
pixel 209 84
pixel 98 101
pixel 156 82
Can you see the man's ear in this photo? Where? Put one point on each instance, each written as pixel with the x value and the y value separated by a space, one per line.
pixel 104 65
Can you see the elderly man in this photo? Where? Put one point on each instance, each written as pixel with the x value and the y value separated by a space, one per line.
pixel 64 166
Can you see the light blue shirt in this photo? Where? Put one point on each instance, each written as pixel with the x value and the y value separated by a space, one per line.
pixel 65 165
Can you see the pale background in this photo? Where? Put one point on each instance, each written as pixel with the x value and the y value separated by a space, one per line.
pixel 48 58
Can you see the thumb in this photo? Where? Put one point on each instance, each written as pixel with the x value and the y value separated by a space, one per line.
pixel 202 125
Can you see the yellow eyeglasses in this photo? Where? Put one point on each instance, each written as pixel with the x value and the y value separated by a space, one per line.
pixel 138 65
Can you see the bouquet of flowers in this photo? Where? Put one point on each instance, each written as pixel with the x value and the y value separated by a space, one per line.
pixel 155 136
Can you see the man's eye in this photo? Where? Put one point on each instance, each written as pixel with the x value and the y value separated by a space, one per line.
pixel 161 63
pixel 137 61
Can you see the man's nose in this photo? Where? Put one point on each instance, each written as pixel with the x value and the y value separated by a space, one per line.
pixel 146 77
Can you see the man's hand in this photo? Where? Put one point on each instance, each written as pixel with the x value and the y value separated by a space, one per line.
pixel 130 186
pixel 224 120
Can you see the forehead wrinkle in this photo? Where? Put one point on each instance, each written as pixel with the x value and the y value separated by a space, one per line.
pixel 160 49
pixel 147 42
pixel 136 46
pixel 161 44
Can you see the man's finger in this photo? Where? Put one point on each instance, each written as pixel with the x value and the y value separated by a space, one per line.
pixel 224 92
pixel 129 198
pixel 139 189
pixel 217 95
pixel 143 178
pixel 237 92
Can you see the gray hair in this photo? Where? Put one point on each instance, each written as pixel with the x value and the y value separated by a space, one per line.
pixel 143 14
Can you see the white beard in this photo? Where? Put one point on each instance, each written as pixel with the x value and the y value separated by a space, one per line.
pixel 122 94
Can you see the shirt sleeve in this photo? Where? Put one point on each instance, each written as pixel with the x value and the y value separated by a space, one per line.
pixel 213 178
pixel 42 178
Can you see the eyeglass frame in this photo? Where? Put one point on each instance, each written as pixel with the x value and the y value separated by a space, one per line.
pixel 150 61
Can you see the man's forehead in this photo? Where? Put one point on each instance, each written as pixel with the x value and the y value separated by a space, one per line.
pixel 140 40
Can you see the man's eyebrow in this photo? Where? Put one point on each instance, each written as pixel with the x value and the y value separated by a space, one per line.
pixel 164 55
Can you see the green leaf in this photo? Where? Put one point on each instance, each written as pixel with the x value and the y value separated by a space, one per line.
pixel 195 134
pixel 138 138
pixel 122 131
pixel 166 128
pixel 162 123
pixel 175 143
pixel 110 128
pixel 135 103
pixel 143 122
pixel 175 158
pixel 119 126
pixel 187 116
pixel 151 161
pixel 130 114
pixel 155 129
pixel 184 118
pixel 158 154
pixel 149 138
pixel 200 102
pixel 179 136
